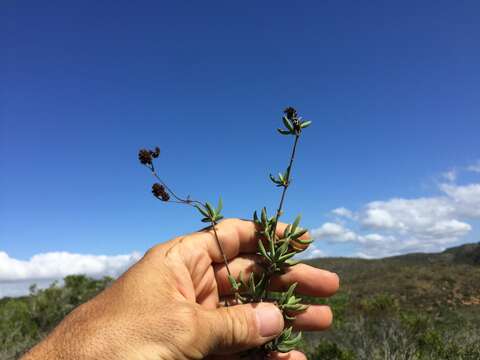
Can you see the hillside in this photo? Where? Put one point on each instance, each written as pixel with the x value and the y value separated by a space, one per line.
pixel 427 281
pixel 415 306
pixel 412 307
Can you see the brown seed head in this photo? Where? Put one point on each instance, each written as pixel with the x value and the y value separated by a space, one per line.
pixel 155 153
pixel 145 157
pixel 158 190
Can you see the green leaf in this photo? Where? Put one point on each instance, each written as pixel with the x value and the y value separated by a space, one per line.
pixel 202 211
pixel 240 276
pixel 283 132
pixel 305 242
pixel 302 307
pixel 251 281
pixel 287 332
pixel 272 247
pixel 291 289
pixel 294 341
pixel 233 282
pixel 255 217
pixel 209 207
pixel 287 124
pixel 299 233
pixel 219 206
pixel 261 247
pixel 296 222
pixel 282 249
pixel 305 124
pixel 275 181
pixel 291 262
pixel 287 256
pixel 289 318
pixel 264 216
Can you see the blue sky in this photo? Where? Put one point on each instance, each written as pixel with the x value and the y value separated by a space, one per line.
pixel 393 90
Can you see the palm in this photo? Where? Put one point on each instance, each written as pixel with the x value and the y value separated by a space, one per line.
pixel 202 277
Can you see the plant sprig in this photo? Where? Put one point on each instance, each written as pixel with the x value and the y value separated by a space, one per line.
pixel 275 249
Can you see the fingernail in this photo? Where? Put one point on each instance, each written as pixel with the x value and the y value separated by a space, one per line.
pixel 336 276
pixel 269 319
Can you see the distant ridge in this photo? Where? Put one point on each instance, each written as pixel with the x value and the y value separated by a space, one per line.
pixel 466 254
pixel 418 280
pixel 462 254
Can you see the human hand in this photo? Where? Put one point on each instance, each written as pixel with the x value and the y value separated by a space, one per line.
pixel 168 305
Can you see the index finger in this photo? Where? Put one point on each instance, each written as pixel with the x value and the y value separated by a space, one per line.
pixel 235 236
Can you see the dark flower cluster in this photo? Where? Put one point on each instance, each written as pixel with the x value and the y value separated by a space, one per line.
pixel 290 112
pixel 146 156
pixel 158 190
pixel 292 115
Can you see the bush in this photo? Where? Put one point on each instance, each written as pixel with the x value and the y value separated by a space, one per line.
pixel 25 321
pixel 327 350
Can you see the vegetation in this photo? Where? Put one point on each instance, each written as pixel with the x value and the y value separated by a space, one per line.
pixel 416 306
pixel 26 320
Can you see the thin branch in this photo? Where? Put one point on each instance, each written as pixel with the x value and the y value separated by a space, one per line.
pixel 221 248
pixel 287 184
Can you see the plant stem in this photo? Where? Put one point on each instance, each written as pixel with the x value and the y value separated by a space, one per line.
pixel 178 198
pixel 221 248
pixel 282 199
pixel 280 205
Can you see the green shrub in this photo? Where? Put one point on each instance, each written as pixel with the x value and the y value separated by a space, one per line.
pixel 327 350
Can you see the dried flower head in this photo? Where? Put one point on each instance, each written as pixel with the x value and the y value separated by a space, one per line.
pixel 155 153
pixel 158 190
pixel 145 157
pixel 291 113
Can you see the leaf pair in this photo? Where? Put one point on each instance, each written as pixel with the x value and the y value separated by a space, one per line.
pixel 289 303
pixel 286 341
pixel 293 233
pixel 283 180
pixel 266 224
pixel 293 126
pixel 210 214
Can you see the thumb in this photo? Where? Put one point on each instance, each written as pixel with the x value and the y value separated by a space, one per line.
pixel 242 327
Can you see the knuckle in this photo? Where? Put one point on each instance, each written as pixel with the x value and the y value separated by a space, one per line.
pixel 231 222
pixel 240 327
pixel 154 251
pixel 244 327
pixel 161 249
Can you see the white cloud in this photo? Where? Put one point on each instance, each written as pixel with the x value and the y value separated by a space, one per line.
pixel 56 265
pixel 399 225
pixel 474 167
pixel 421 218
pixel 450 175
pixel 343 212
pixel 311 253
pixel 465 199
pixel 333 232
pixel 377 216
